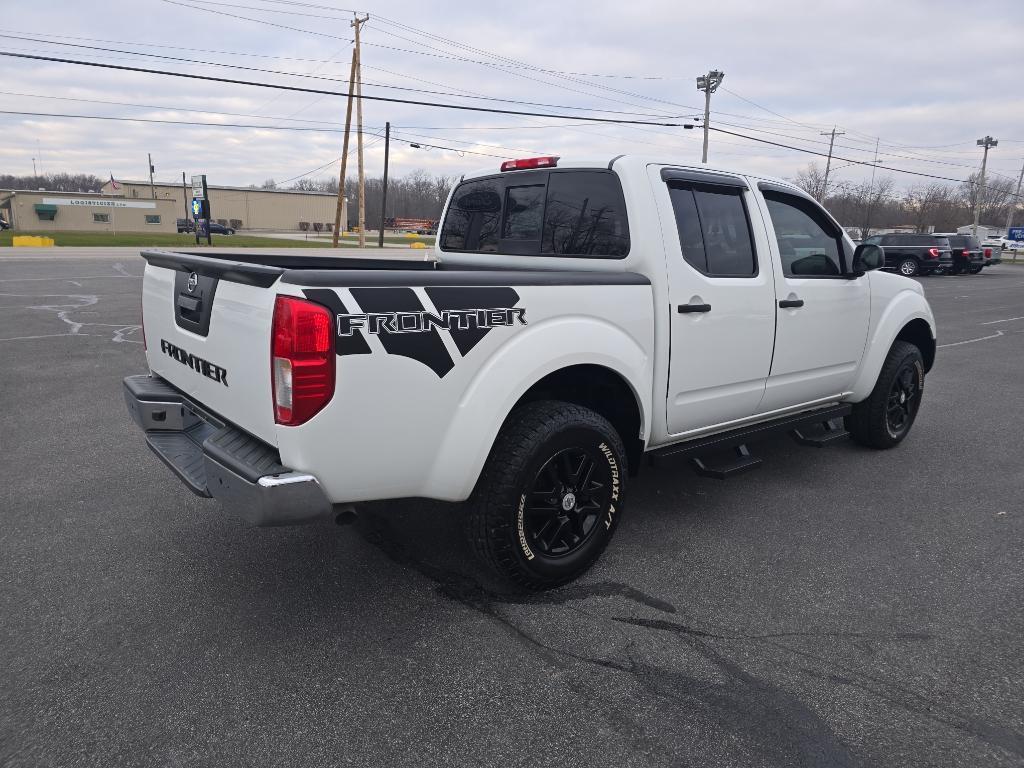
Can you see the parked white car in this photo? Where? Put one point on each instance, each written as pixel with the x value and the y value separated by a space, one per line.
pixel 579 318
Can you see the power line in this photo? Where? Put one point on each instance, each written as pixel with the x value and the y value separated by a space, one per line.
pixel 850 160
pixel 338 80
pixel 297 89
pixel 442 55
pixel 253 126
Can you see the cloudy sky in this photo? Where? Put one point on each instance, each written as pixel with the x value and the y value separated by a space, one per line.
pixel 925 78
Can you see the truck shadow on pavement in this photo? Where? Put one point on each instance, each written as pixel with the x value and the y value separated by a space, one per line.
pixel 761 687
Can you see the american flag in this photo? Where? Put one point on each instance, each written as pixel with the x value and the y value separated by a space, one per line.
pixel 114 184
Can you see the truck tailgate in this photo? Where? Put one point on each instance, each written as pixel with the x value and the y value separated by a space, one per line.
pixel 209 336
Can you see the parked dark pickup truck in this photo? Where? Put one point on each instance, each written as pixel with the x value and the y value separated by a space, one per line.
pixel 914 254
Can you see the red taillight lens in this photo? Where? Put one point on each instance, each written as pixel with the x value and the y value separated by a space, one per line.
pixel 530 162
pixel 965 252
pixel 988 253
pixel 301 360
pixel 933 252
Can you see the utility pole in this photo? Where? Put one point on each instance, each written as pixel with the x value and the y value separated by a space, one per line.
pixel 865 231
pixel 344 152
pixel 1009 217
pixel 828 163
pixel 152 189
pixel 357 23
pixel 986 142
pixel 709 84
pixel 384 192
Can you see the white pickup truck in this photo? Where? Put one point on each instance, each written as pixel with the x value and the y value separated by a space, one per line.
pixel 573 318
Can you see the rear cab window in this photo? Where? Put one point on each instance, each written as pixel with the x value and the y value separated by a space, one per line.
pixel 714 229
pixel 561 212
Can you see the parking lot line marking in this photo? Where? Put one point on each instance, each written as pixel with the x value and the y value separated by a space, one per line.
pixel 996 335
pixel 51 336
pixel 1006 320
pixel 88 277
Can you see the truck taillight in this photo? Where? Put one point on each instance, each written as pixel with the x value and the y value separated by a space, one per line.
pixel 965 252
pixel 530 162
pixel 933 252
pixel 301 360
pixel 988 253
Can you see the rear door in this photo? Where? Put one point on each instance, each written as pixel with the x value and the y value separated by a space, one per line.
pixel 721 299
pixel 822 315
pixel 209 336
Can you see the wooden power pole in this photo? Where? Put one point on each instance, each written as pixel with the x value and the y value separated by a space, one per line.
pixel 828 163
pixel 357 23
pixel 348 126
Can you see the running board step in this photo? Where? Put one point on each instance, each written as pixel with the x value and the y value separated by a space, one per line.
pixel 744 463
pixel 738 439
pixel 827 433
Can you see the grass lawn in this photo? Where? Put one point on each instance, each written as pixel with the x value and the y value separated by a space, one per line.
pixel 171 240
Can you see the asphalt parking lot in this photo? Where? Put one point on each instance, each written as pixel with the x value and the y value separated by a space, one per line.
pixel 839 607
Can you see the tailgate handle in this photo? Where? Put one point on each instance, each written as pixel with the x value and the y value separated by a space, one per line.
pixel 190 303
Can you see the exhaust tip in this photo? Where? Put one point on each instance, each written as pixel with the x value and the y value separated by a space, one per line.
pixel 346 516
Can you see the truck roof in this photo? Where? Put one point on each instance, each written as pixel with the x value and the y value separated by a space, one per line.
pixel 635 161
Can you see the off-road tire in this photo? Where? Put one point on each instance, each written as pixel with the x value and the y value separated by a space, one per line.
pixel 908 267
pixel 497 525
pixel 974 269
pixel 869 424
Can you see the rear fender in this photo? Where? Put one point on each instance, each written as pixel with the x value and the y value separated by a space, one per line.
pixel 507 375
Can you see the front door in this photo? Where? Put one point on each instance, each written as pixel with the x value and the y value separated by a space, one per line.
pixel 721 301
pixel 823 314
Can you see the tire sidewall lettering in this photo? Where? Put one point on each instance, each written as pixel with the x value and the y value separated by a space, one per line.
pixel 523 544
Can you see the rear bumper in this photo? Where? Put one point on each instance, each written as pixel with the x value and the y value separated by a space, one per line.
pixel 215 459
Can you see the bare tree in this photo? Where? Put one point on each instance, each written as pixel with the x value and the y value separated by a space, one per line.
pixel 54 182
pixel 812 181
pixel 996 197
pixel 933 207
pixel 268 184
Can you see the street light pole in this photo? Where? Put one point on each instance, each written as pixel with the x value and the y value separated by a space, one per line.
pixel 986 142
pixel 709 84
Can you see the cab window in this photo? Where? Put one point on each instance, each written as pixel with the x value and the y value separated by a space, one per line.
pixel 809 243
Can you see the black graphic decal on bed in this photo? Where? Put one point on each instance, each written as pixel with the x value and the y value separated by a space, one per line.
pixel 425 345
pixel 406 328
pixel 455 299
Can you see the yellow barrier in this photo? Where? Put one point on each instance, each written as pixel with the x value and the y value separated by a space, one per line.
pixel 411 234
pixel 32 241
pixel 417 245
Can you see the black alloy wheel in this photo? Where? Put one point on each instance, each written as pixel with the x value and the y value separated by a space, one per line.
pixel 884 419
pixel 550 495
pixel 565 502
pixel 904 398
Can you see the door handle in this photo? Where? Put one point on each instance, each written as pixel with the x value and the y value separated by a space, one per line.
pixel 791 303
pixel 687 308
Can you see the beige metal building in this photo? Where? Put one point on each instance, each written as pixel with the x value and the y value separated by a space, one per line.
pixel 42 211
pixel 243 208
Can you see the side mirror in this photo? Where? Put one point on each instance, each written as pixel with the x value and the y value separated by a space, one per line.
pixel 866 257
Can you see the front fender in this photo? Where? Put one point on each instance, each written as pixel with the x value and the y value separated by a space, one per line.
pixel 902 308
pixel 510 371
